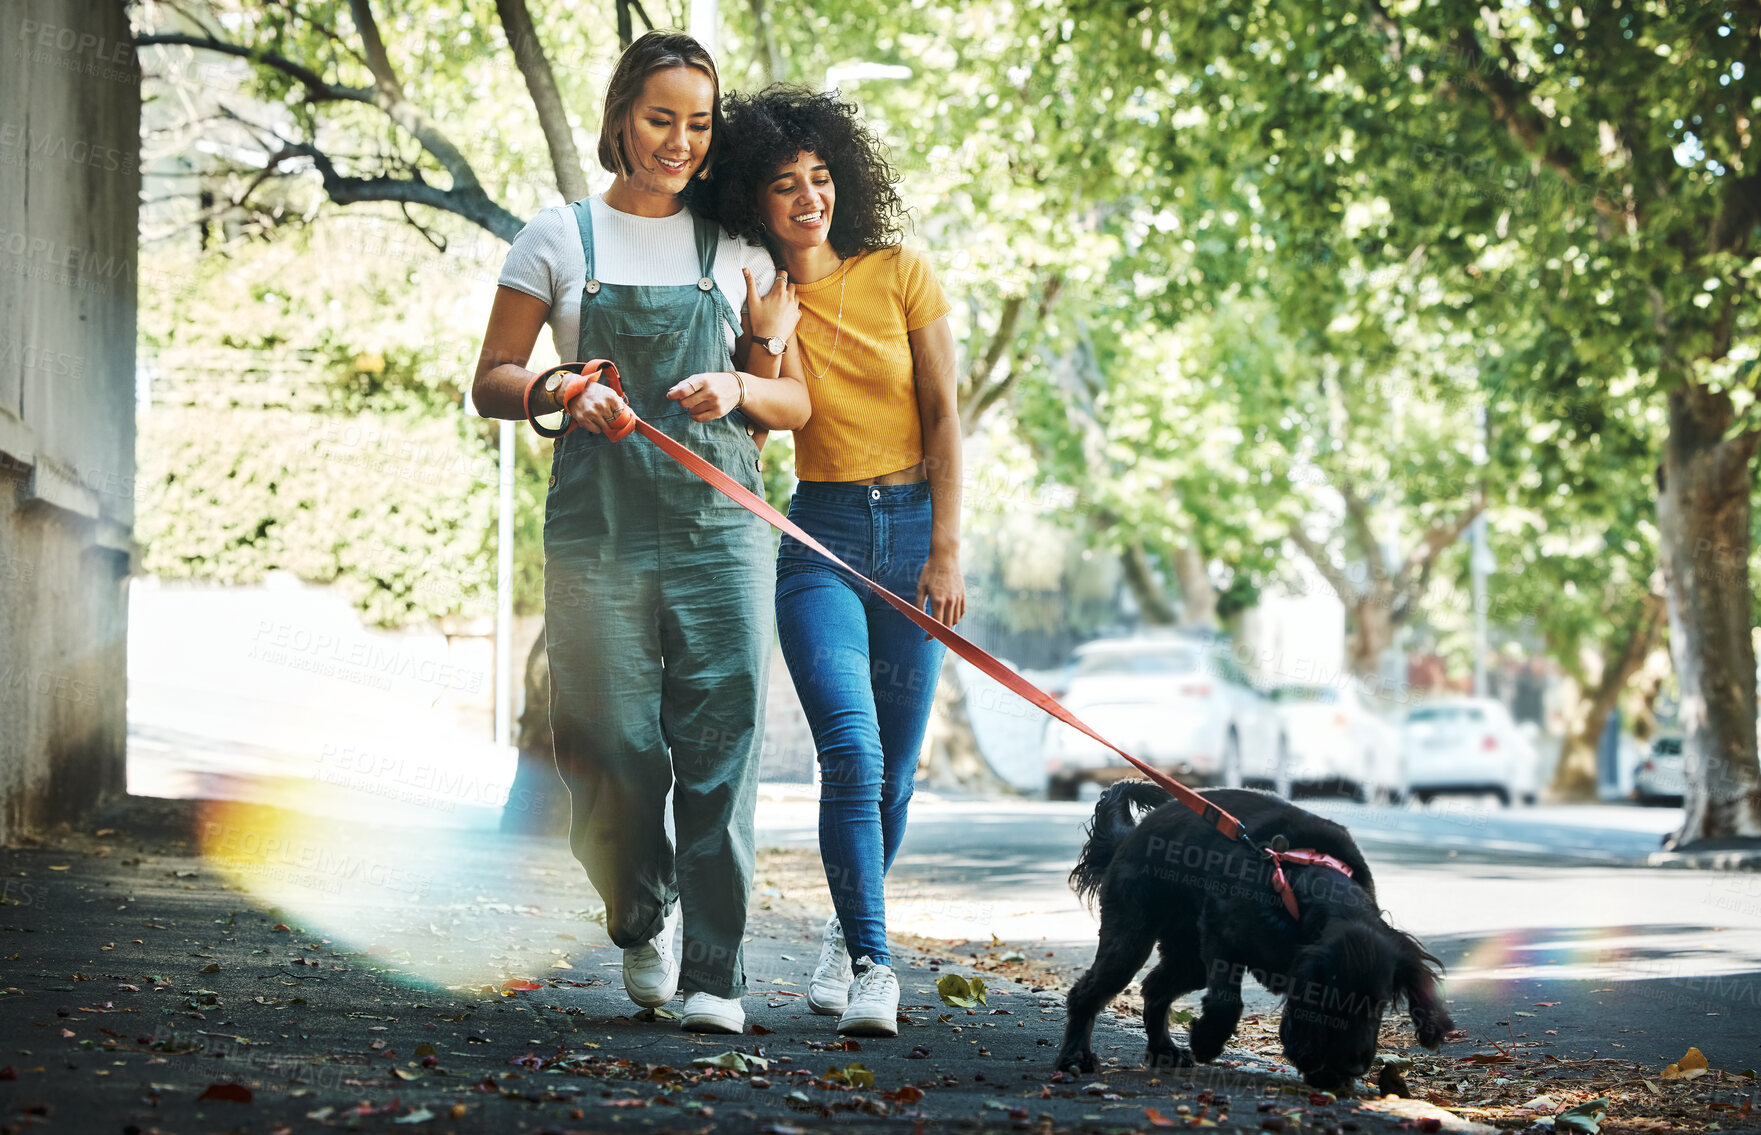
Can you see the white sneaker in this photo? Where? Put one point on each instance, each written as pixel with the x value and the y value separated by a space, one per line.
pixel 707 1013
pixel 829 991
pixel 872 1005
pixel 651 970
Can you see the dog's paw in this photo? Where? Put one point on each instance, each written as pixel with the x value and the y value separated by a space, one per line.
pixel 1175 1057
pixel 1078 1062
pixel 1207 1040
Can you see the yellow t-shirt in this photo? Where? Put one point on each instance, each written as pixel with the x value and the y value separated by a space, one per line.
pixel 865 419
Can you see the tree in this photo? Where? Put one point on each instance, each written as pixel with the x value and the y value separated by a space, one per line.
pixel 1578 179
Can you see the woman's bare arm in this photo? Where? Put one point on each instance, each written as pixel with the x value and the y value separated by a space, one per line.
pixel 498 389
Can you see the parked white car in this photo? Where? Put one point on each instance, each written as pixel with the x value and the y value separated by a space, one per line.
pixel 1180 703
pixel 1661 777
pixel 1337 743
pixel 1467 745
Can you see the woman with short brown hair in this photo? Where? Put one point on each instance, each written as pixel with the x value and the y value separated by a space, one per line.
pixel 656 586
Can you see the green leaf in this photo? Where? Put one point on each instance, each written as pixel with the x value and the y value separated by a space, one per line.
pixel 1584 1119
pixel 961 991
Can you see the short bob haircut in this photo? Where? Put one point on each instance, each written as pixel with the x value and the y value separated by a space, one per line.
pixel 655 51
pixel 770 128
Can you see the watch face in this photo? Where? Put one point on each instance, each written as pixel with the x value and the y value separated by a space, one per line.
pixel 551 383
pixel 774 345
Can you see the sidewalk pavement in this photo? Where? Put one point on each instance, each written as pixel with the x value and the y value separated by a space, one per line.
pixel 180 967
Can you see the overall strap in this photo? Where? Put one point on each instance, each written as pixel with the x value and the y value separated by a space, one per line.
pixel 583 210
pixel 708 238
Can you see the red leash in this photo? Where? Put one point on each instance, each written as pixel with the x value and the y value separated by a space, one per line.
pixel 1228 825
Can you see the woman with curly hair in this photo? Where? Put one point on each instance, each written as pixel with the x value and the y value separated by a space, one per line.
pixel 879 469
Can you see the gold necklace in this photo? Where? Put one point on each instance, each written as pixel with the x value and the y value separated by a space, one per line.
pixel 839 334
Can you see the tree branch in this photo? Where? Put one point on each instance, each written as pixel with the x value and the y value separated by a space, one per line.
pixel 390 98
pixel 378 61
pixel 987 398
pixel 1525 122
pixel 1738 214
pixel 983 367
pixel 553 117
pixel 1349 593
pixel 770 57
pixel 1142 580
pixel 470 203
pixel 318 88
pixel 1437 537
pixel 1357 513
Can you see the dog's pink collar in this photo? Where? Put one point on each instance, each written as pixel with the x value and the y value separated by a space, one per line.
pixel 1302 855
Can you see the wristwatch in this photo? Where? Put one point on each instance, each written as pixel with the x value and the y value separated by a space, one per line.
pixel 773 344
pixel 553 385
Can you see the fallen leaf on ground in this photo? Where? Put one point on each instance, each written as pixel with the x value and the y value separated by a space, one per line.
pixel 1157 1119
pixel 733 1061
pixel 420 1115
pixel 960 991
pixel 1584 1119
pixel 906 1093
pixel 520 984
pixel 855 1075
pixel 1691 1065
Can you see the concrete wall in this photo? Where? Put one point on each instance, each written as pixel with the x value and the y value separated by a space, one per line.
pixel 69 203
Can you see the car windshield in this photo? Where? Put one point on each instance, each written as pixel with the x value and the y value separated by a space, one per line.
pixel 1291 695
pixel 1175 660
pixel 1446 714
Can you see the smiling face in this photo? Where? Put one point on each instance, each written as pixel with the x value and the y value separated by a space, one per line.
pixel 668 130
pixel 797 202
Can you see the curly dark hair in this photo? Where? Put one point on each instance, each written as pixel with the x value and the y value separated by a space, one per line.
pixel 769 128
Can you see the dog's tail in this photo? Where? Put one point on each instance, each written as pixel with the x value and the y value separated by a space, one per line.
pixel 1115 817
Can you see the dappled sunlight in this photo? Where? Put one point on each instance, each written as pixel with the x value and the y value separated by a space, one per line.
pixel 427 908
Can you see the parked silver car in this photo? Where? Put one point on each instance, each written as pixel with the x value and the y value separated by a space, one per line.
pixel 1467 745
pixel 1337 743
pixel 1661 777
pixel 1180 703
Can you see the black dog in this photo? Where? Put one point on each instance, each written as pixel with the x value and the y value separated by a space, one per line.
pixel 1209 903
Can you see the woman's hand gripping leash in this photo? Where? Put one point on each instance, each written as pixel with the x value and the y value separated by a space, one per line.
pixel 598 407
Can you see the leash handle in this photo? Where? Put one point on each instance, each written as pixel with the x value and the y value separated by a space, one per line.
pixel 585 374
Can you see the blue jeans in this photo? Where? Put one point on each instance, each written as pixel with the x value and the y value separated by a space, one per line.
pixel 866 679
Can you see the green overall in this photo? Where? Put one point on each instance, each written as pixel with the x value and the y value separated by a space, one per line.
pixel 657 601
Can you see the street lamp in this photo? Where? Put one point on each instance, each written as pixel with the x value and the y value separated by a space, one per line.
pixel 861 69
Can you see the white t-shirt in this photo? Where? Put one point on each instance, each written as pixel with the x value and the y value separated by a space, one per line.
pixel 546 261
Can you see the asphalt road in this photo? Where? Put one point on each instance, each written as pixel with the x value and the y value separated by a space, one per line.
pixel 1552 933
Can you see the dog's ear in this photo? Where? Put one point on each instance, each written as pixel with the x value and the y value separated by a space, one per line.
pixel 1415 981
